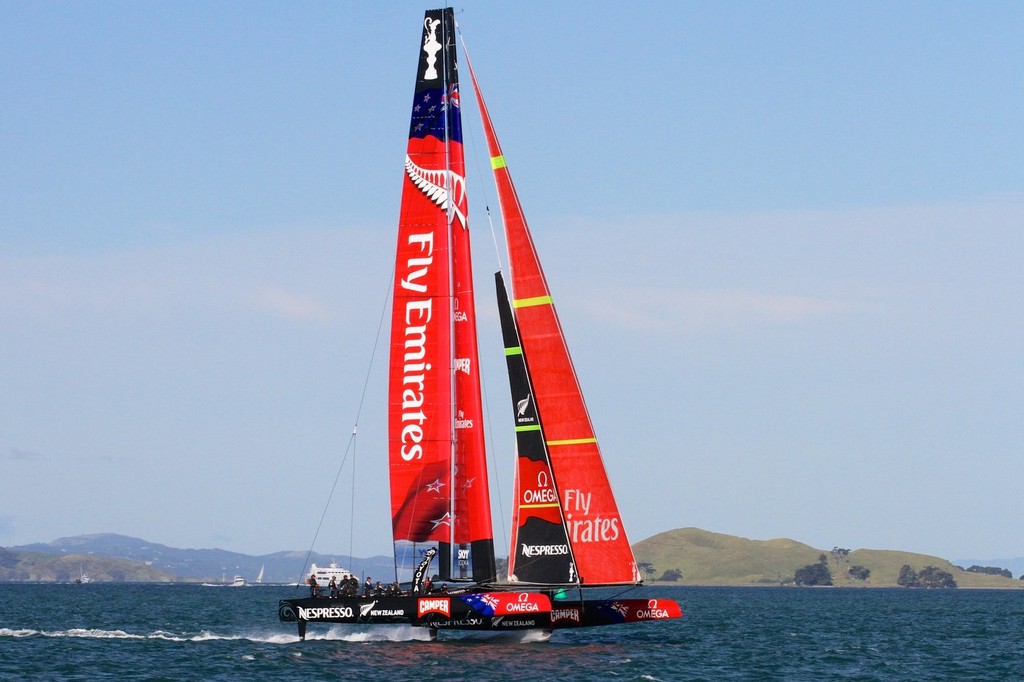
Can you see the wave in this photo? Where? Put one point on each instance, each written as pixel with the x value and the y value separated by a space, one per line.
pixel 94 633
pixel 378 633
pixel 339 633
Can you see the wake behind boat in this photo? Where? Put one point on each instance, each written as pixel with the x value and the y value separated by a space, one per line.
pixel 567 531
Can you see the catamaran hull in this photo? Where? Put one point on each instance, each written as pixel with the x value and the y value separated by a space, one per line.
pixel 522 611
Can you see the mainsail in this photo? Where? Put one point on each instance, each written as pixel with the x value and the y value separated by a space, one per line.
pixel 591 518
pixel 439 493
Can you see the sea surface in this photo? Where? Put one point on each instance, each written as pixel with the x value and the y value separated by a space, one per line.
pixel 189 632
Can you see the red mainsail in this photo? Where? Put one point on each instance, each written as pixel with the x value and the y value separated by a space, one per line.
pixel 439 491
pixel 592 523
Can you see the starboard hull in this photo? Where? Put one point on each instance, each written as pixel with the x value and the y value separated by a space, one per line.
pixel 495 611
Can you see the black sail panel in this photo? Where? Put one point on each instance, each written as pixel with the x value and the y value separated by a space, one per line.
pixel 540 551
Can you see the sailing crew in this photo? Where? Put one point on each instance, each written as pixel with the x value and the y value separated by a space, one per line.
pixel 334 587
pixel 368 587
pixel 314 588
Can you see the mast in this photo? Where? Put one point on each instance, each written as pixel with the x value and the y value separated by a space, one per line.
pixel 472 529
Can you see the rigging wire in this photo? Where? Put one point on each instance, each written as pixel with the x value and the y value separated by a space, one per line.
pixel 480 173
pixel 497 254
pixel 351 448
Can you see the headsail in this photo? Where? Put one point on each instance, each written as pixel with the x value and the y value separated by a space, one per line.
pixel 593 525
pixel 540 551
pixel 438 484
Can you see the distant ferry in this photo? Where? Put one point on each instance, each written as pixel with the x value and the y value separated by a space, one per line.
pixel 325 573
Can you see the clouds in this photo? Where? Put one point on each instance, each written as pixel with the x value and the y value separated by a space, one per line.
pixel 16 454
pixel 199 277
pixel 781 344
pixel 656 311
pixel 291 306
pixel 907 268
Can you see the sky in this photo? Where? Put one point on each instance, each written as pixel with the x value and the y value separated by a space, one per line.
pixel 784 239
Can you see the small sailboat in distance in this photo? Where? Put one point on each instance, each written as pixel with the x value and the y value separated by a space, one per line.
pixel 568 535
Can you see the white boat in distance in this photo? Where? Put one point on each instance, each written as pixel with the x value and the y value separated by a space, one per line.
pixel 325 573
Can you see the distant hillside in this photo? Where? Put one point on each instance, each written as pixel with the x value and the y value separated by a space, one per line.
pixel 1014 565
pixel 706 558
pixel 701 558
pixel 208 565
pixel 36 567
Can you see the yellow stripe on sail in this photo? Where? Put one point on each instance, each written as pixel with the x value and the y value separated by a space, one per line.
pixel 528 427
pixel 497 162
pixel 571 441
pixel 538 506
pixel 530 302
pixel 515 350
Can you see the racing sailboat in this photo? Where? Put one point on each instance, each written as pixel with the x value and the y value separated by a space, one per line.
pixel 567 531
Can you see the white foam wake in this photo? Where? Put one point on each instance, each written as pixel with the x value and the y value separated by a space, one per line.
pixel 378 633
pixel 95 633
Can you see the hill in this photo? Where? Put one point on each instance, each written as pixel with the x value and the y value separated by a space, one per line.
pixel 206 565
pixel 701 558
pixel 65 568
pixel 706 558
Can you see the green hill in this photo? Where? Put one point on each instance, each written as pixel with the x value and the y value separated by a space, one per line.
pixel 35 567
pixel 706 558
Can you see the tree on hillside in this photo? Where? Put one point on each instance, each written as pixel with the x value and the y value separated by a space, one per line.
pixel 671 575
pixel 935 578
pixel 990 570
pixel 646 568
pixel 814 574
pixel 908 577
pixel 859 572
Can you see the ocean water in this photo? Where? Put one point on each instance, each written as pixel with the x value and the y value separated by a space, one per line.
pixel 189 632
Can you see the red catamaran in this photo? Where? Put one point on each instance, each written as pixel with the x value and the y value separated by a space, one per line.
pixel 567 531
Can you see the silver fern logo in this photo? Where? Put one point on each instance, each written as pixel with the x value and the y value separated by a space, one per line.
pixel 522 405
pixel 440 186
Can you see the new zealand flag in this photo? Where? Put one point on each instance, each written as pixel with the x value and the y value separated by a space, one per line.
pixel 482 603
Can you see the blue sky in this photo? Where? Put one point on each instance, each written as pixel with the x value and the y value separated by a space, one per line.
pixel 784 238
